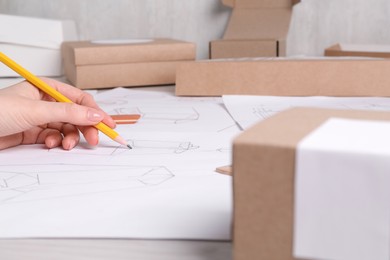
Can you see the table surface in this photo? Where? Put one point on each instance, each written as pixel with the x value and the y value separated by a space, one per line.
pixel 85 249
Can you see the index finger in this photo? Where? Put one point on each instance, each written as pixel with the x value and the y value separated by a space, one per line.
pixel 78 96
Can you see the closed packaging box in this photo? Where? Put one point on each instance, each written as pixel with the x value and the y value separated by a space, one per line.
pixel 107 64
pixel 284 77
pixel 358 50
pixel 264 158
pixel 243 48
pixel 257 28
pixel 34 43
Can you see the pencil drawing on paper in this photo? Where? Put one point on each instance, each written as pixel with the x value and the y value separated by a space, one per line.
pixel 140 147
pixel 36 182
pixel 232 127
pixel 369 106
pixel 264 112
pixel 224 150
pixel 155 146
pixel 166 114
pixel 126 99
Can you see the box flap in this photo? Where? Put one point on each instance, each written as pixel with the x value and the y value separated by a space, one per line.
pixel 28 31
pixel 228 3
pixel 258 24
pixel 259 3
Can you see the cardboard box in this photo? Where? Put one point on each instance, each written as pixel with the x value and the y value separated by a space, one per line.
pixel 257 28
pixel 90 65
pixel 34 43
pixel 358 50
pixel 284 77
pixel 263 180
pixel 243 48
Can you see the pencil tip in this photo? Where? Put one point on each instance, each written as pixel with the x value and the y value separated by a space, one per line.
pixel 122 142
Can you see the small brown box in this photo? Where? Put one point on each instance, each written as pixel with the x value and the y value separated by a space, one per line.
pixel 92 65
pixel 284 77
pixel 358 50
pixel 263 180
pixel 257 28
pixel 243 48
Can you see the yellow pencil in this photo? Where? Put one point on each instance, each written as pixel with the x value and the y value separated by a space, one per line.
pixel 37 82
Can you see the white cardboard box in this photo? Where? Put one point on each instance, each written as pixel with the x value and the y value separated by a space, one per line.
pixel 34 43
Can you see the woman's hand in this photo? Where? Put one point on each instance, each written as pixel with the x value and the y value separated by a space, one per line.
pixel 29 116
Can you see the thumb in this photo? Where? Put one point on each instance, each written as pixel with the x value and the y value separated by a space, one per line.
pixel 49 112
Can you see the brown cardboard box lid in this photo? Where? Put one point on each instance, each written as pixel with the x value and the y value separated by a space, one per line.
pixel 285 77
pixel 359 50
pixel 287 128
pixel 122 75
pixel 258 3
pixel 258 24
pixel 153 50
pixel 256 19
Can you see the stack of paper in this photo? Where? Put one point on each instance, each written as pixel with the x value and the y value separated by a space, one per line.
pixel 34 43
pixel 165 187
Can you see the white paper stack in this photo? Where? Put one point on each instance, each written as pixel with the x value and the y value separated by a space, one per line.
pixel 34 43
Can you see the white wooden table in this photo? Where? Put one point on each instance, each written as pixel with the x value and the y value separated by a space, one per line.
pixel 96 249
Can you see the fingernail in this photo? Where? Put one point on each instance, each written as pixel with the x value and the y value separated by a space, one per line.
pixel 71 145
pixel 92 115
pixel 50 144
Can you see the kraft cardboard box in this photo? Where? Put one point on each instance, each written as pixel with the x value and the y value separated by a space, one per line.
pixel 284 77
pixel 358 50
pixel 243 48
pixel 263 180
pixel 257 28
pixel 35 43
pixel 106 64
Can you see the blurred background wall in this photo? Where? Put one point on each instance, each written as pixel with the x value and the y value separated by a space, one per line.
pixel 192 20
pixel 316 24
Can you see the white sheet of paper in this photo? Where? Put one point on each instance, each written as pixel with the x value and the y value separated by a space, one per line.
pixel 342 191
pixel 166 187
pixel 248 110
